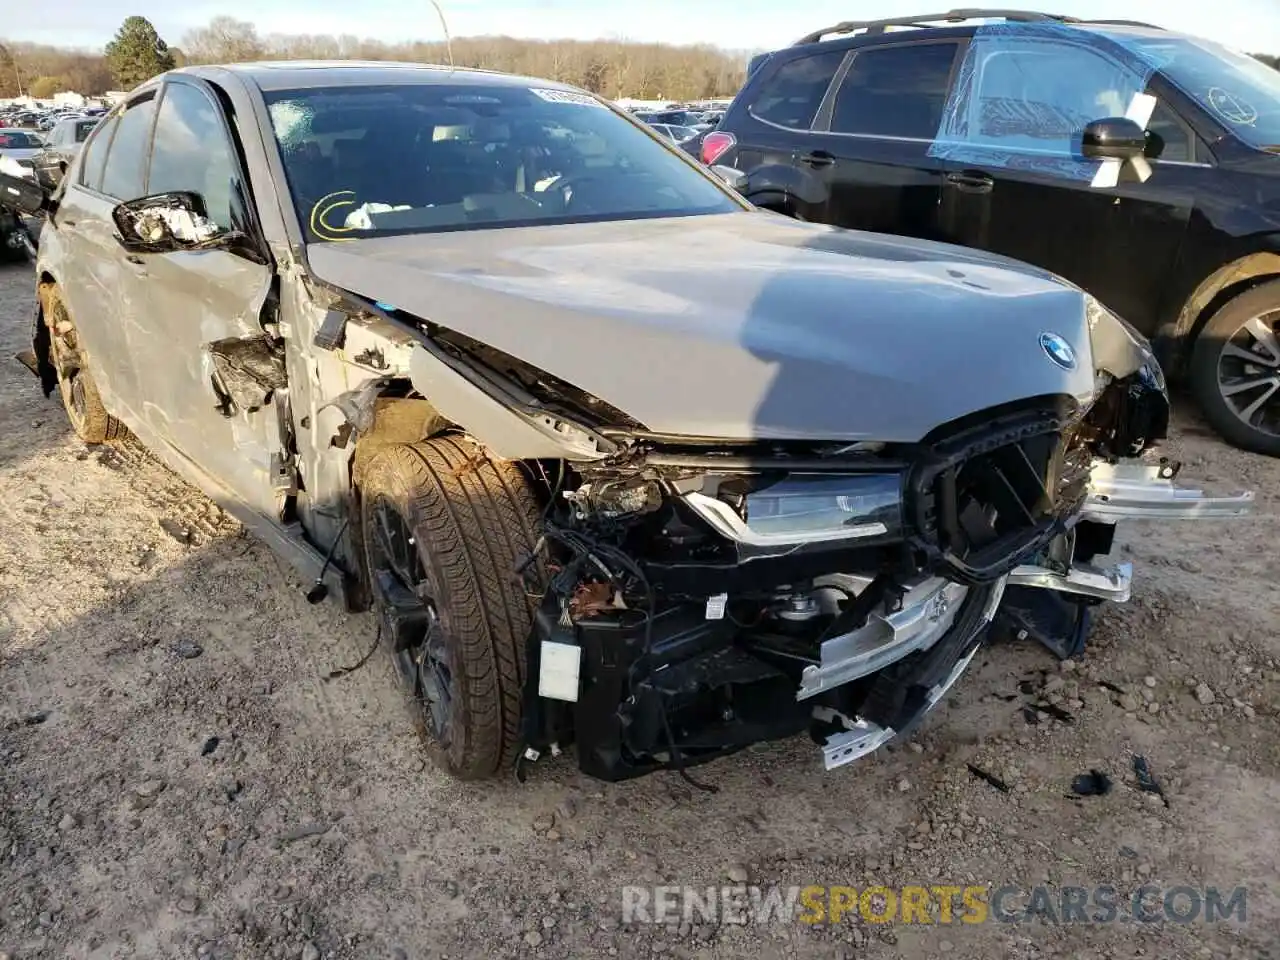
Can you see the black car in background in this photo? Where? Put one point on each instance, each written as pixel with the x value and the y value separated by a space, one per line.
pixel 1141 164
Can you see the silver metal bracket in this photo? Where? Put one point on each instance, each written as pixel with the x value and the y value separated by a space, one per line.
pixel 1139 491
pixel 1105 583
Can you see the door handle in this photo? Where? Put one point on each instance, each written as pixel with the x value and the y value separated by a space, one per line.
pixel 818 158
pixel 970 182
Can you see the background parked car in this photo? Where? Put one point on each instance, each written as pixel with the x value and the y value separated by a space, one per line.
pixel 62 144
pixel 987 135
pixel 21 146
pixel 675 133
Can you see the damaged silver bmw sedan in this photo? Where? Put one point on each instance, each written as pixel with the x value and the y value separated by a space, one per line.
pixel 617 460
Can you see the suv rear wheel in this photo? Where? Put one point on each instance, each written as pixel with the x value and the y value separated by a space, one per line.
pixel 1235 370
pixel 444 533
pixel 80 397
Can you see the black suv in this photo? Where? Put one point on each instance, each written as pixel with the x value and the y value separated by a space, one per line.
pixel 1141 164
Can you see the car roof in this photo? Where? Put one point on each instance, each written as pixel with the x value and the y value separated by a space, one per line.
pixel 273 75
pixel 967 22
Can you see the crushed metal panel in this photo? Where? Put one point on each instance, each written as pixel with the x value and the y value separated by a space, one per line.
pixel 505 432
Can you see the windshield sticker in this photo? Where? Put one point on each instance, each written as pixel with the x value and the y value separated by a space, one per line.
pixel 1231 108
pixel 567 96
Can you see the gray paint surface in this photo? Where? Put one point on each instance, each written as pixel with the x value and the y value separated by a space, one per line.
pixel 741 325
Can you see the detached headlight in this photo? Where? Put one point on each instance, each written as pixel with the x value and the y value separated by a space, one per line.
pixel 805 509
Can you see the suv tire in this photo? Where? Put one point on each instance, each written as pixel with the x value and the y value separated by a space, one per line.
pixel 80 397
pixel 1261 304
pixel 451 528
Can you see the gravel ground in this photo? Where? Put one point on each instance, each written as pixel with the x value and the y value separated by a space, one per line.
pixel 177 779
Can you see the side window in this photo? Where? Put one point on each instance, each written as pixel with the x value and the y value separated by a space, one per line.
pixel 1034 95
pixel 95 153
pixel 791 97
pixel 125 175
pixel 1168 138
pixel 897 91
pixel 192 152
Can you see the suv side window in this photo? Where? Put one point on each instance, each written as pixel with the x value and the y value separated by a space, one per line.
pixel 1033 95
pixel 125 175
pixel 792 95
pixel 95 152
pixel 895 91
pixel 192 152
pixel 1168 138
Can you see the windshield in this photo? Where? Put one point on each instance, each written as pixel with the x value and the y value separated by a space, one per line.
pixel 1242 93
pixel 375 161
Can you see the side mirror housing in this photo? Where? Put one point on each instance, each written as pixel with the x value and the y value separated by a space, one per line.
pixel 733 178
pixel 1115 138
pixel 166 223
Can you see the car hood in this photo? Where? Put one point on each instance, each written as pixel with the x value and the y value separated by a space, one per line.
pixel 744 325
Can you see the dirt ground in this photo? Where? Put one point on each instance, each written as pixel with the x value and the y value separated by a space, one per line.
pixel 177 779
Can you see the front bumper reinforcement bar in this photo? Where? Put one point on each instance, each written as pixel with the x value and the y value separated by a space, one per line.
pixel 1147 492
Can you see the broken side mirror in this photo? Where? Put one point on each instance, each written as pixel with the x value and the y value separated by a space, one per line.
pixel 733 178
pixel 1115 138
pixel 23 194
pixel 167 223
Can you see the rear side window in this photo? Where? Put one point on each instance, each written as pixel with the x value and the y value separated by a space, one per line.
pixel 792 95
pixel 897 91
pixel 95 153
pixel 125 175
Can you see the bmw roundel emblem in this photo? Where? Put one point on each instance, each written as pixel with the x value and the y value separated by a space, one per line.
pixel 1058 350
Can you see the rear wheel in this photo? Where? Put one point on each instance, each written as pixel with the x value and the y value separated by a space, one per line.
pixel 444 533
pixel 1235 370
pixel 80 397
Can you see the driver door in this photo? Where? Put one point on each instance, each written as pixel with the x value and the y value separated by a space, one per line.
pixel 195 298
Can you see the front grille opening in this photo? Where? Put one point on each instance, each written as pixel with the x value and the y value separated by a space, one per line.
pixel 995 490
pixel 998 495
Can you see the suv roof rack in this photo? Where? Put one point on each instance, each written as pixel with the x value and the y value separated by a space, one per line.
pixel 956 16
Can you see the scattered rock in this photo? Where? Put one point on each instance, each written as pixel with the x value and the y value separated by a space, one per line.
pixel 543 822
pixel 1129 703
pixel 1204 694
pixel 305 830
pixel 737 873
pixel 904 785
pixel 149 789
pixel 188 904
pixel 35 719
pixel 186 649
pixel 210 745
pixel 533 938
pixel 310 951
pixel 68 822
pixel 1149 680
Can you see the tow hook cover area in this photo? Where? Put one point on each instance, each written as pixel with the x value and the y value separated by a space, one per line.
pixel 1147 491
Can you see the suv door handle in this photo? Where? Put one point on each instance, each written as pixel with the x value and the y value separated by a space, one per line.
pixel 818 158
pixel 971 182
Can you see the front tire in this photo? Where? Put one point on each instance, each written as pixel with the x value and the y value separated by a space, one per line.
pixel 445 529
pixel 80 397
pixel 1235 370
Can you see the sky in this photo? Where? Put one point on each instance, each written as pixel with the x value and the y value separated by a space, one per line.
pixel 1250 25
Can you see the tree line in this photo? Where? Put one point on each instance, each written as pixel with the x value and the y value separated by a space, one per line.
pixel 612 68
